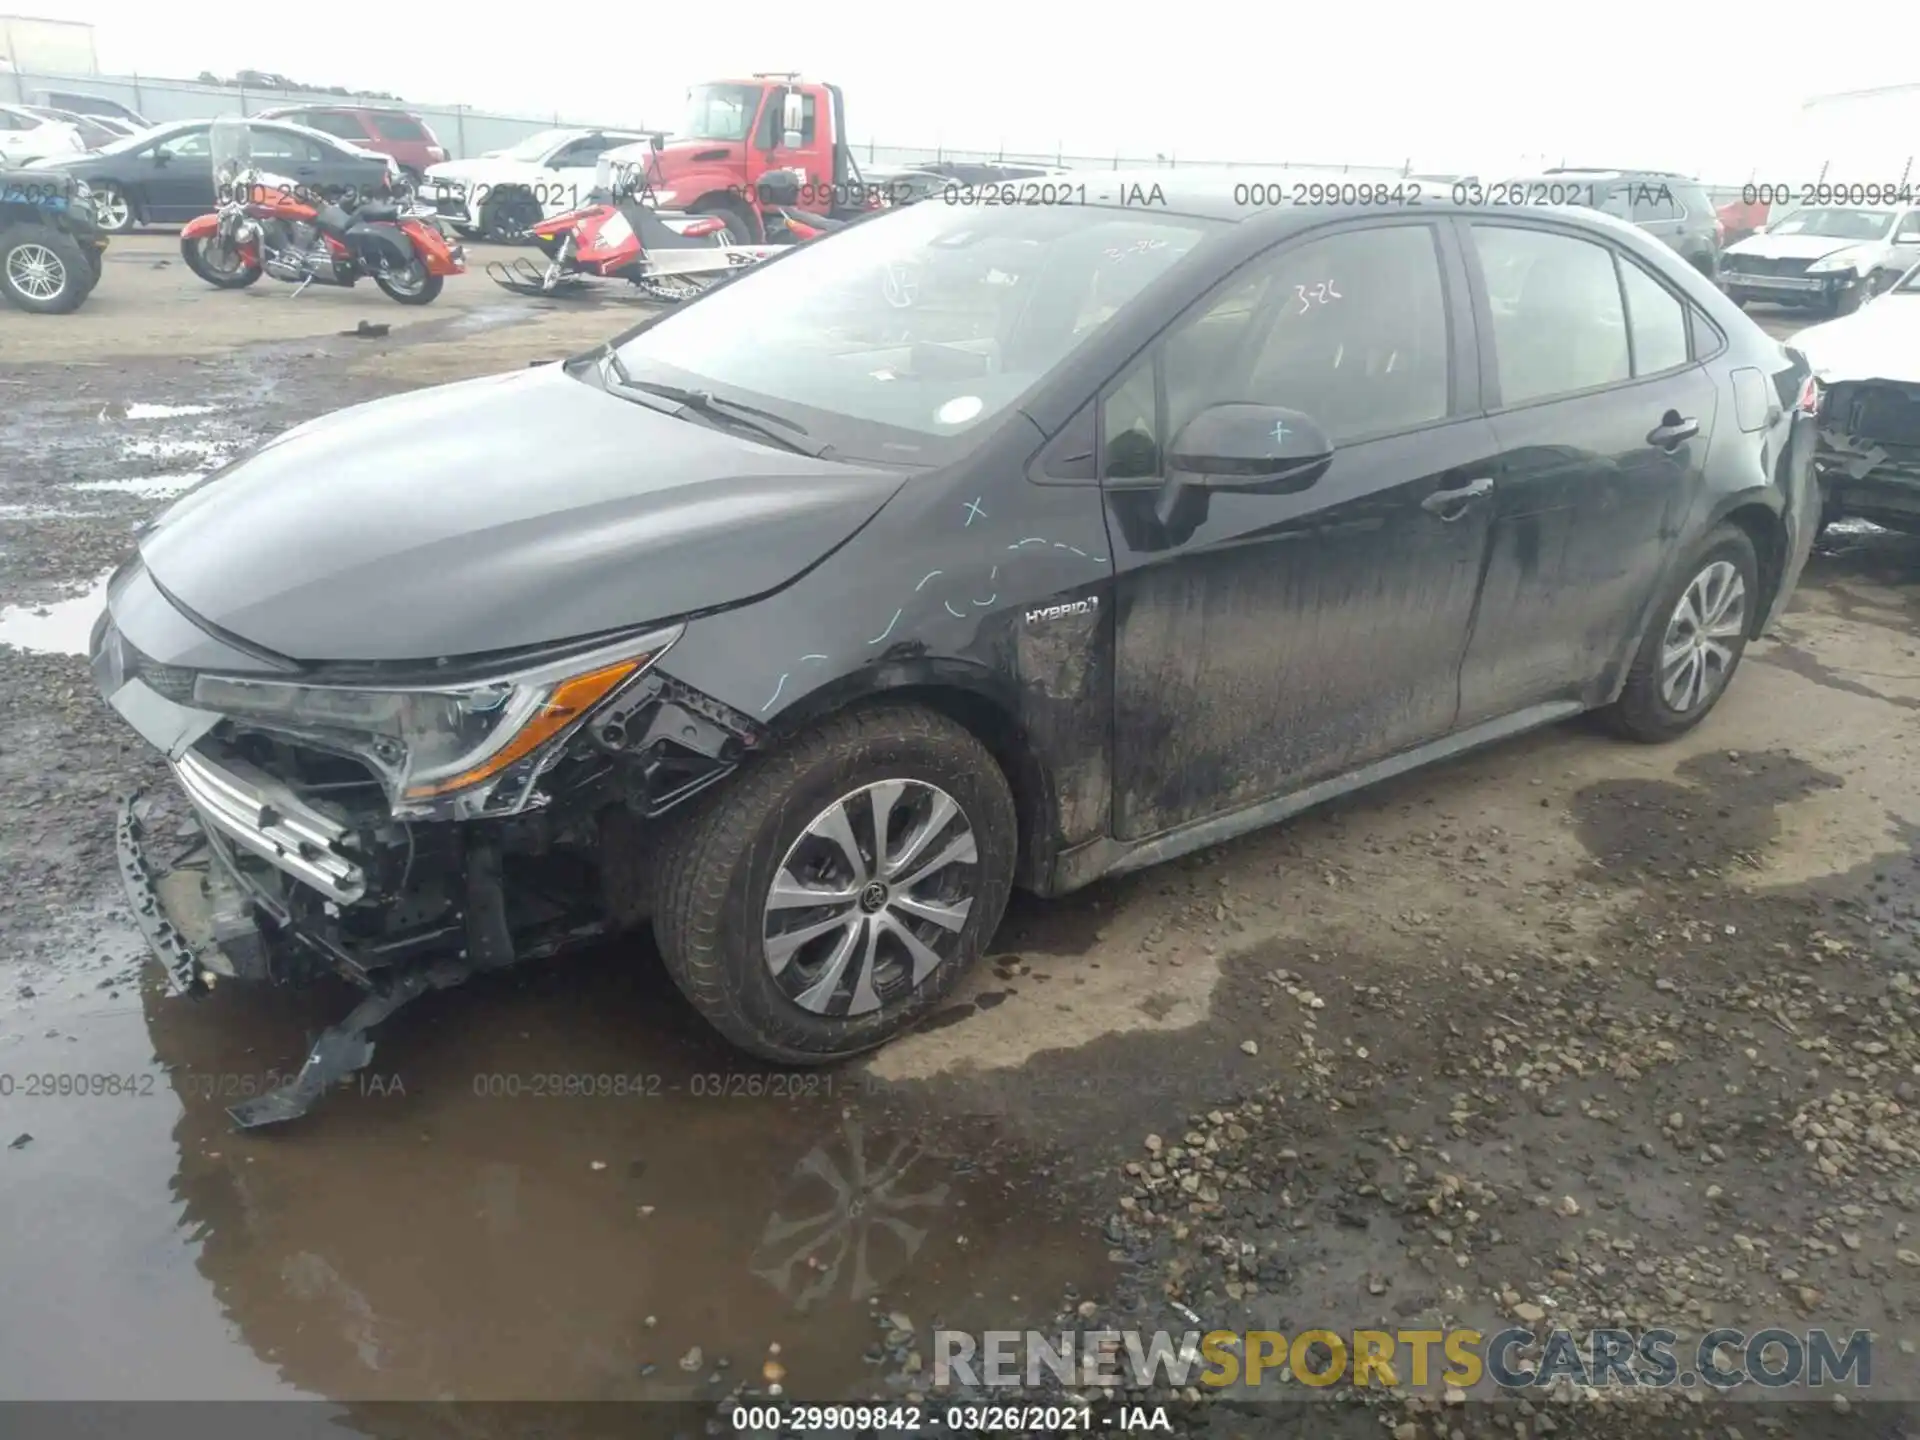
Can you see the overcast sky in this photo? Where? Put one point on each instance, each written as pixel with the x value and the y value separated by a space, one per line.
pixel 1683 84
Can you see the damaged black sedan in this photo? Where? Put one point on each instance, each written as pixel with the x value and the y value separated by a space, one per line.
pixel 980 546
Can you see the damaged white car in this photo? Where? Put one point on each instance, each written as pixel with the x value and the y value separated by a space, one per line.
pixel 1867 366
pixel 1827 257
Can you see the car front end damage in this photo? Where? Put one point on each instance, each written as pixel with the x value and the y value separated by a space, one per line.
pixel 402 831
pixel 1869 455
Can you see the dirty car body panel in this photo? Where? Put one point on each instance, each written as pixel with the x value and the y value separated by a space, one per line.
pixel 1154 499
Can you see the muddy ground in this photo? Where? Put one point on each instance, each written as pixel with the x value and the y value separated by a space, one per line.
pixel 1569 1032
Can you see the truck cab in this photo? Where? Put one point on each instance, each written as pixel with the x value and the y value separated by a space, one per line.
pixel 733 132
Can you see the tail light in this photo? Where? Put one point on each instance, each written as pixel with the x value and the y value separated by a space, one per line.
pixel 1809 401
pixel 1719 231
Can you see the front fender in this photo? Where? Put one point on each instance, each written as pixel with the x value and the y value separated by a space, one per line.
pixel 200 226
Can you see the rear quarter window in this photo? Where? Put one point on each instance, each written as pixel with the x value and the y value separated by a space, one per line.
pixel 398 127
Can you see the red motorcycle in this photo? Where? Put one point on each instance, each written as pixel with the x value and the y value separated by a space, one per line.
pixel 268 225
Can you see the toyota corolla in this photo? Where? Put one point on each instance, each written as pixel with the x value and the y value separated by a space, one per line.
pixel 979 546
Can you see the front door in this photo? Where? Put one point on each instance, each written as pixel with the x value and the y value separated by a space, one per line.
pixel 569 181
pixel 1593 388
pixel 811 161
pixel 1280 639
pixel 177 176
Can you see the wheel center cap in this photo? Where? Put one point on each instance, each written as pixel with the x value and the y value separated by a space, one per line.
pixel 873 899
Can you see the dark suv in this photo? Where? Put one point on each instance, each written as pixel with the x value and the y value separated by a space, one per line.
pixel 978 546
pixel 407 138
pixel 1673 207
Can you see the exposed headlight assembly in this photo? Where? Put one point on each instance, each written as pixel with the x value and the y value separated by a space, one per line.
pixel 1845 260
pixel 452 751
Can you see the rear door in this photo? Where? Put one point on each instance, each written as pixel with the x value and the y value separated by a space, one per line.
pixel 1274 640
pixel 1603 415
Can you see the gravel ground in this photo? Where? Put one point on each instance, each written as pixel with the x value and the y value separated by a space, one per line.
pixel 1568 1033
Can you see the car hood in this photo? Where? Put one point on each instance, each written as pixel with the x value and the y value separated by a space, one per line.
pixel 1879 341
pixel 482 171
pixel 1798 247
pixel 494 514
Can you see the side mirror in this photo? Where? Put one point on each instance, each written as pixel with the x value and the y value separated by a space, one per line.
pixel 1259 448
pixel 1907 237
pixel 162 155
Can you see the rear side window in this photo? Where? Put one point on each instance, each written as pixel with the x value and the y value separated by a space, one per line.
pixel 1558 322
pixel 399 127
pixel 1657 322
pixel 347 127
pixel 1654 201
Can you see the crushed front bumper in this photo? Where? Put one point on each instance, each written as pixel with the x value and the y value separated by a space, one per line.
pixel 1869 456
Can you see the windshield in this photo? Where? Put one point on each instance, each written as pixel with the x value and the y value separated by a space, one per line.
pixel 138 138
pixel 1836 224
pixel 719 112
pixel 929 320
pixel 534 147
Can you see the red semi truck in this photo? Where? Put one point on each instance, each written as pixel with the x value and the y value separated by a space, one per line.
pixel 735 131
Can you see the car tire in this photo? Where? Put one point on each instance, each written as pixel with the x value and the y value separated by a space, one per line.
pixel 112 208
pixel 783 823
pixel 740 227
pixel 508 215
pixel 43 271
pixel 1662 699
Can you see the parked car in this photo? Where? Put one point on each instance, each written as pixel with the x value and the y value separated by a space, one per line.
pixel 27 135
pixel 98 106
pixel 808 636
pixel 51 252
pixel 906 185
pixel 1673 207
pixel 93 133
pixel 383 130
pixel 165 174
pixel 500 195
pixel 1827 257
pixel 1868 367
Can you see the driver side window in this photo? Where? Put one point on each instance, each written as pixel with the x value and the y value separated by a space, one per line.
pixel 1350 329
pixel 193 143
pixel 580 153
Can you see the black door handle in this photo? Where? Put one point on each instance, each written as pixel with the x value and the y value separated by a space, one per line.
pixel 1672 430
pixel 1452 504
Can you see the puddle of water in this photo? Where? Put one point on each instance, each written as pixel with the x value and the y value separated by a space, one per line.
pixel 64 629
pixel 157 487
pixel 203 451
pixel 548 1185
pixel 166 412
pixel 39 512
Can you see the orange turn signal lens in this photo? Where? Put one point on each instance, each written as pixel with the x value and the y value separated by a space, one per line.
pixel 569 700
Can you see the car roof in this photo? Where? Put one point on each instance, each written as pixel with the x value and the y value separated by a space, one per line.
pixel 1214 194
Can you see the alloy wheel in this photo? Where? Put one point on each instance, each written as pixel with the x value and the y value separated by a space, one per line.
pixel 36 271
pixel 871 899
pixel 1697 653
pixel 111 210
